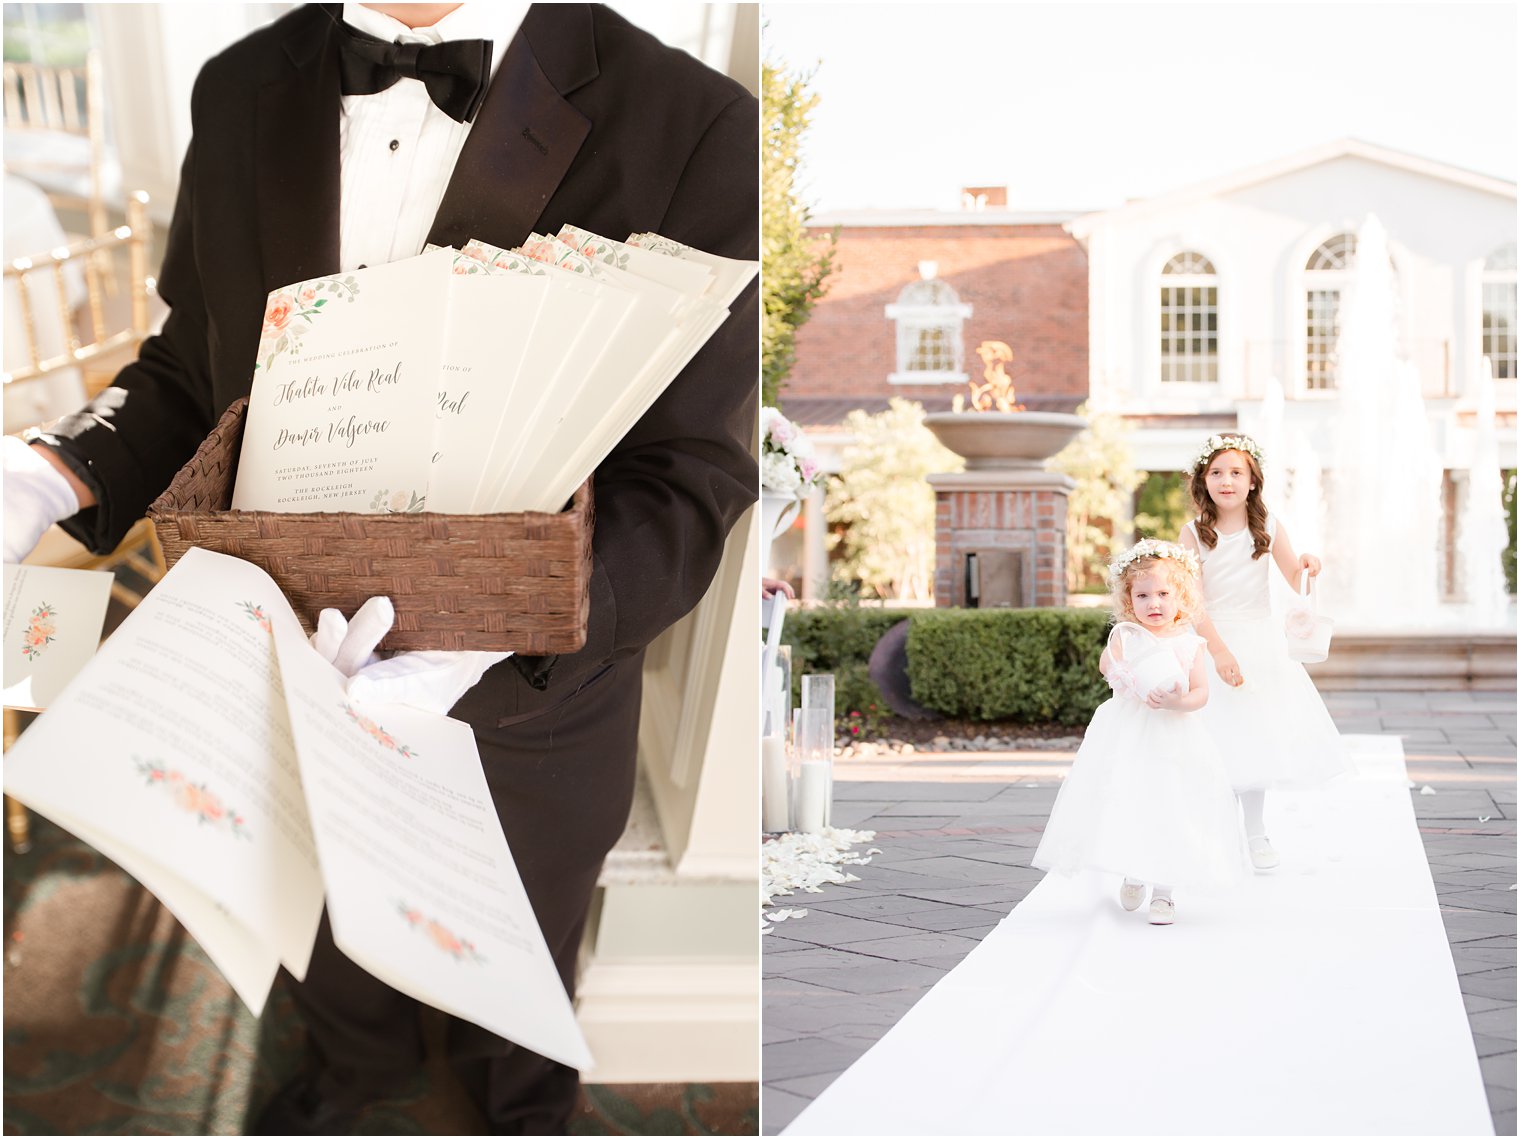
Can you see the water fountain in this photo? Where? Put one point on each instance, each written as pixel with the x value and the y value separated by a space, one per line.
pixel 1382 513
pixel 1384 490
pixel 1481 531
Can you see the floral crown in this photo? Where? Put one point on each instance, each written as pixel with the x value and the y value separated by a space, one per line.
pixel 1151 548
pixel 1215 443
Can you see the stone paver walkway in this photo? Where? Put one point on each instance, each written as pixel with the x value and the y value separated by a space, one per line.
pixel 956 831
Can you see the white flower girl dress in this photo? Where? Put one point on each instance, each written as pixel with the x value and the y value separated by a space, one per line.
pixel 1274 729
pixel 1148 796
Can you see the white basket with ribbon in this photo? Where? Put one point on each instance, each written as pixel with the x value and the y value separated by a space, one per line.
pixel 1307 632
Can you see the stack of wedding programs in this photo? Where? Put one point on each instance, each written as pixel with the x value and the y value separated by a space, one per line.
pixel 471 381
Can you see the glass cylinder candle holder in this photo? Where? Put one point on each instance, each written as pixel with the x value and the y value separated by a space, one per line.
pixel 814 784
pixel 776 705
pixel 818 691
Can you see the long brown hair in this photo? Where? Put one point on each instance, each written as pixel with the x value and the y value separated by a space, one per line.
pixel 1208 513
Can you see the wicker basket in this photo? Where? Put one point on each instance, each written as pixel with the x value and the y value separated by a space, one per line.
pixel 458 581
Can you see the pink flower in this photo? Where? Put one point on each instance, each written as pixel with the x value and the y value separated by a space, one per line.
pixel 809 469
pixel 308 294
pixel 398 500
pixel 1299 623
pixel 278 314
pixel 443 938
pixel 474 252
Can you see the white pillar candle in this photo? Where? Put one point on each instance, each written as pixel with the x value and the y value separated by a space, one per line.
pixel 773 803
pixel 813 796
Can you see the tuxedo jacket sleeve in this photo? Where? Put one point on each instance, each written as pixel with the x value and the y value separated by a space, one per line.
pixel 588 121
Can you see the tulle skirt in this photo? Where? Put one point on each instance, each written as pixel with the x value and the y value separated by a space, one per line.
pixel 1148 797
pixel 1274 730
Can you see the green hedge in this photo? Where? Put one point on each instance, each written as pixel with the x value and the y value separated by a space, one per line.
pixel 1028 665
pixel 1509 521
pixel 1031 665
pixel 839 639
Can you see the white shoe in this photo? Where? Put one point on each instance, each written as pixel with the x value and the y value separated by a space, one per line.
pixel 1131 895
pixel 1263 857
pixel 1163 910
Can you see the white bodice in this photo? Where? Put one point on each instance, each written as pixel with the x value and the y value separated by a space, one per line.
pixel 1155 662
pixel 1235 584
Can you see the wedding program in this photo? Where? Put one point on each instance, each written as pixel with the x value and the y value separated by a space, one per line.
pixel 218 758
pixel 471 381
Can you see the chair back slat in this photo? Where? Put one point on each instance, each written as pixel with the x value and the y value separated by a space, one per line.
pixel 68 100
pixel 102 260
pixel 28 322
pixel 65 318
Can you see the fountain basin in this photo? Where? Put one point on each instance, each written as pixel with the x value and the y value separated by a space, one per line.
pixel 990 440
pixel 1431 660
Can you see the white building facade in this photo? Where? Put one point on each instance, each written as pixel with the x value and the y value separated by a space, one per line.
pixel 1200 298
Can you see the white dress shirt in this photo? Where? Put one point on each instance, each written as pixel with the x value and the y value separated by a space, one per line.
pixel 396 148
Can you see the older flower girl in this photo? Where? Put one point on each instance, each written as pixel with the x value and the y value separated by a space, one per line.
pixel 1148 796
pixel 1267 717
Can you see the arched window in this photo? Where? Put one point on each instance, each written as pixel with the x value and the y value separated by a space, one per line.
pixel 930 344
pixel 1189 320
pixel 1499 311
pixel 1322 303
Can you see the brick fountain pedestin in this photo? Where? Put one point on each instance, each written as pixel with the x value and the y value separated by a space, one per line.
pixel 1000 525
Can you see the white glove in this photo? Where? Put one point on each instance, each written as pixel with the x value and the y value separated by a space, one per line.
pixel 431 681
pixel 36 496
pixel 350 645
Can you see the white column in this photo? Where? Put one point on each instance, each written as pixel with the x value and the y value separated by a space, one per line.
pixel 815 551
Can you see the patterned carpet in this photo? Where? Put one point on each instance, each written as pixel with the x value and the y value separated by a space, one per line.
pixel 116 1023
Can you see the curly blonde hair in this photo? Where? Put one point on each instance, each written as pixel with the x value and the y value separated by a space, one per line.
pixel 1185 587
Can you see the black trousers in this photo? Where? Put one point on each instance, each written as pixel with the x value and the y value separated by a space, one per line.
pixel 562 779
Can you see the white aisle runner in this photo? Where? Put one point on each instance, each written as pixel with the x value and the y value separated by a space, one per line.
pixel 1319 999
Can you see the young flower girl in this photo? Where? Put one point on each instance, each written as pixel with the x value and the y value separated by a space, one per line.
pixel 1267 717
pixel 1148 796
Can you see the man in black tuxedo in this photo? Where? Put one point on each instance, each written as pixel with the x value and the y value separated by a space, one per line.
pixel 588 120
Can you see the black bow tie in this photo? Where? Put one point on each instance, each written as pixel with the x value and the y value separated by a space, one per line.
pixel 455 72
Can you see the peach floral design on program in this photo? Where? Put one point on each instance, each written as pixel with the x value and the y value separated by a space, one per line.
pixel 440 935
pixel 41 631
pixel 256 613
pixel 193 798
pixel 387 501
pixel 377 733
pixel 291 310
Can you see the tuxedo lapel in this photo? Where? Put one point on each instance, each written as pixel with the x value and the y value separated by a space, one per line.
pixel 527 133
pixel 298 180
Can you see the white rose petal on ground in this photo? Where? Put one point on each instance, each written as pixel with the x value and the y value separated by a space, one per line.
pixel 807 863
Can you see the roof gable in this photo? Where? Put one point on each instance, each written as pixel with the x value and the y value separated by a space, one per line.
pixel 1314 156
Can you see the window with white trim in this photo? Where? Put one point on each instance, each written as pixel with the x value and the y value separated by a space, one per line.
pixel 930 341
pixel 1327 267
pixel 1189 320
pixel 1499 311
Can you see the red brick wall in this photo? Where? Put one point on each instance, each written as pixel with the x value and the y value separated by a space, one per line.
pixel 1027 285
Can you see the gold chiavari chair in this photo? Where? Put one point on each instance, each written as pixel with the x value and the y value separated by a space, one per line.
pixel 65 102
pixel 98 344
